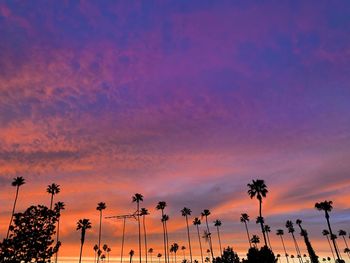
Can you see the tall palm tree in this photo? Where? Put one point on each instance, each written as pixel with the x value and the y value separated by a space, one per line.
pixel 325 232
pixel 53 189
pixel 205 214
pixel 143 213
pixel 150 251
pixel 303 233
pixel 267 231
pixel 100 207
pixel 161 206
pixel 327 207
pixel 137 198
pixel 255 240
pixel 174 248
pixel 187 212
pixel 244 219
pixel 131 253
pixel 342 233
pixel 58 207
pixel 95 249
pixel 165 219
pixel 291 230
pixel 197 223
pixel 280 233
pixel 83 225
pixel 217 224
pixel 17 182
pixel 258 188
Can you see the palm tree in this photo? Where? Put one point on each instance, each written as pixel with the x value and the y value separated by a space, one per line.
pixel 303 233
pixel 267 231
pixel 174 248
pixel 143 213
pixel 187 212
pixel 183 248
pixel 150 251
pixel 131 253
pixel 258 188
pixel 159 256
pixel 280 233
pixel 53 189
pixel 197 223
pixel 255 240
pixel 165 218
pixel 327 207
pixel 347 250
pixel 244 219
pixel 291 230
pixel 137 198
pixel 100 207
pixel 58 207
pixel 161 206
pixel 342 233
pixel 95 249
pixel 108 250
pixel 17 182
pixel 325 232
pixel 83 225
pixel 205 214
pixel 217 224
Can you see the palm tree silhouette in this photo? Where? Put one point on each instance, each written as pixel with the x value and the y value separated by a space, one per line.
pixel 255 240
pixel 131 253
pixel 312 255
pixel 205 214
pixel 159 256
pixel 137 198
pixel 174 248
pixel 197 223
pixel 58 207
pixel 342 233
pixel 327 207
pixel 291 230
pixel 143 213
pixel 258 188
pixel 165 218
pixel 161 206
pixel 325 232
pixel 280 233
pixel 53 189
pixel 17 182
pixel 108 250
pixel 100 207
pixel 217 224
pixel 187 212
pixel 95 249
pixel 83 225
pixel 183 248
pixel 244 219
pixel 267 231
pixel 150 251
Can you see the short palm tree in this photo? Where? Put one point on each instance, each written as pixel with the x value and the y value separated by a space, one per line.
pixel 53 189
pixel 205 214
pixel 174 248
pixel 197 223
pixel 342 233
pixel 83 225
pixel 327 207
pixel 244 219
pixel 96 250
pixel 165 219
pixel 303 233
pixel 100 207
pixel 258 188
pixel 255 240
pixel 187 212
pixel 325 232
pixel 131 254
pixel 137 198
pixel 183 248
pixel 217 224
pixel 291 230
pixel 143 213
pixel 159 256
pixel 150 251
pixel 267 231
pixel 17 182
pixel 161 206
pixel 58 207
pixel 280 233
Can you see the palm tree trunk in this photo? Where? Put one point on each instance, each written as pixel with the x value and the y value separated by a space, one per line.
pixel 297 248
pixel 284 247
pixel 329 242
pixel 167 239
pixel 200 244
pixel 164 239
pixel 99 237
pixel 81 247
pixel 57 237
pixel 210 244
pixel 346 244
pixel 330 231
pixel 144 231
pixel 268 239
pixel 139 225
pixel 217 228
pixel 261 223
pixel 189 240
pixel 51 202
pixel 246 228
pixel 13 212
pixel 122 249
pixel 95 256
pixel 175 257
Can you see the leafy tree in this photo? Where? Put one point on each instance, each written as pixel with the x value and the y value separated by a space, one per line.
pixel 31 236
pixel 264 255
pixel 228 256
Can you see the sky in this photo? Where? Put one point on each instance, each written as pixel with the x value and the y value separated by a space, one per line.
pixel 181 101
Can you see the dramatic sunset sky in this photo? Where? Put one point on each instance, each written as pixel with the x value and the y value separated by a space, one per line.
pixel 182 101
